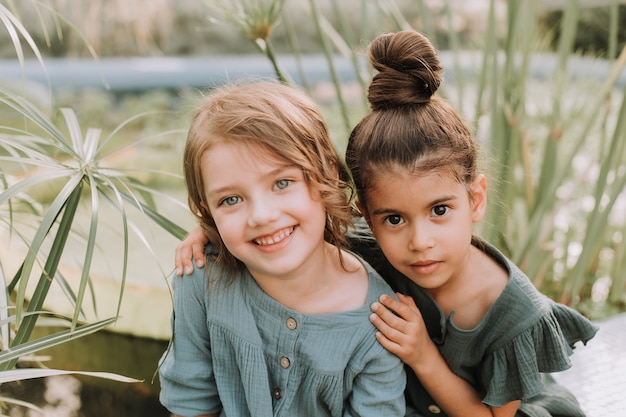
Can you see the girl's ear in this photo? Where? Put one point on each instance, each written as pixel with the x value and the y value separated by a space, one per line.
pixel 478 191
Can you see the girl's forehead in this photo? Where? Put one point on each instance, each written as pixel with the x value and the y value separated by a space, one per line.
pixel 246 149
pixel 393 180
pixel 399 192
pixel 247 152
pixel 383 172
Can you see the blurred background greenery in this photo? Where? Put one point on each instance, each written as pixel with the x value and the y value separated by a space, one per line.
pixel 92 201
pixel 198 27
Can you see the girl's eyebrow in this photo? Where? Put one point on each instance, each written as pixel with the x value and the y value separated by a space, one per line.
pixel 436 202
pixel 219 190
pixel 384 211
pixel 280 169
pixel 444 199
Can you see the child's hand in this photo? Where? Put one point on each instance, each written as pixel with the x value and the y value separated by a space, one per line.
pixel 403 334
pixel 192 246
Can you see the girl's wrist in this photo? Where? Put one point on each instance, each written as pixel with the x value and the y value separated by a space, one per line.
pixel 428 361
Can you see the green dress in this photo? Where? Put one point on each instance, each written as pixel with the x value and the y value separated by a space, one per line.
pixel 522 338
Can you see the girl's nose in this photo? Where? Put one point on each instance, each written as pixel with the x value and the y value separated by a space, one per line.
pixel 262 212
pixel 421 237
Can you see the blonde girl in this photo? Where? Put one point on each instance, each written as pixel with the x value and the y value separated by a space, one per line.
pixel 276 324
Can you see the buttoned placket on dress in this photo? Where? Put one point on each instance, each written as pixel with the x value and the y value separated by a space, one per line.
pixel 289 331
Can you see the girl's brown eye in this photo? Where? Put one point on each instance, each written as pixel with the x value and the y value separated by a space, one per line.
pixel 393 220
pixel 440 210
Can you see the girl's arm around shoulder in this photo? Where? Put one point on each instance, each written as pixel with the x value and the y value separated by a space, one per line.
pixel 404 334
pixel 453 394
pixel 192 247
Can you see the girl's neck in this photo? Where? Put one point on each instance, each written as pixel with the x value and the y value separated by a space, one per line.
pixel 474 290
pixel 323 286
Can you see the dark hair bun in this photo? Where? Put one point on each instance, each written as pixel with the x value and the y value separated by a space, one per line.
pixel 409 71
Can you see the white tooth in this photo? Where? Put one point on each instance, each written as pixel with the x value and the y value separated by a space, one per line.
pixel 274 239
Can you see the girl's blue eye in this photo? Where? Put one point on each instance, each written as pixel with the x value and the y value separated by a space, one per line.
pixel 439 211
pixel 394 220
pixel 231 201
pixel 282 184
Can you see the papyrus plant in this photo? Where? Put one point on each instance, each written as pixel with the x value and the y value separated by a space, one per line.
pixel 70 164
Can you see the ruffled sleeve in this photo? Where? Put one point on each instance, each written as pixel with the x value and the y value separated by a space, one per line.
pixel 539 340
pixel 575 327
pixel 513 371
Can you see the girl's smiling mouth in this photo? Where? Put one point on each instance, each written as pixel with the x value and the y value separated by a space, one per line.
pixel 274 238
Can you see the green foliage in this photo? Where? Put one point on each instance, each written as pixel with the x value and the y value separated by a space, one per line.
pixel 595 35
pixel 74 169
pixel 51 179
pixel 548 165
pixel 256 19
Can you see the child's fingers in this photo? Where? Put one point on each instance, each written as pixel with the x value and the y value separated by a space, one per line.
pixel 388 344
pixel 189 249
pixel 186 252
pixel 393 332
pixel 390 325
pixel 404 307
pixel 182 259
pixel 400 326
pixel 409 301
pixel 387 335
pixel 198 254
